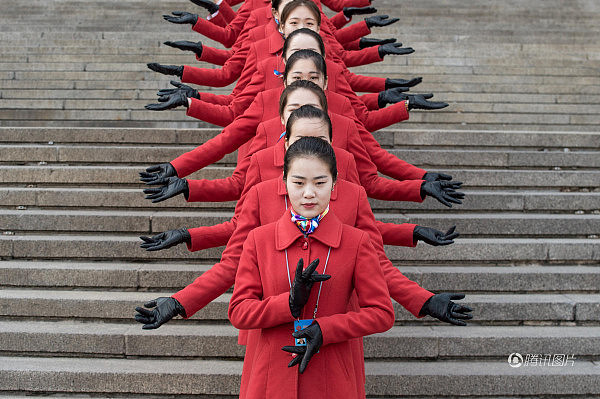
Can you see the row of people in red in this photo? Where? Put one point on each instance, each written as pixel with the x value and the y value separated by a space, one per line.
pixel 317 107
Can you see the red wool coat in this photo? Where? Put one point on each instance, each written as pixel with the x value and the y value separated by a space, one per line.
pixel 260 300
pixel 264 204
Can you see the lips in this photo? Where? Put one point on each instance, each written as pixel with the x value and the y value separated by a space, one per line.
pixel 309 205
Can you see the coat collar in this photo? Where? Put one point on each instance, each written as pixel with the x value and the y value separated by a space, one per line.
pixel 282 190
pixel 275 43
pixel 329 231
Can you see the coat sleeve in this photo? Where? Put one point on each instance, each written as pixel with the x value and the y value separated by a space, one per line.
pixel 219 190
pixel 229 140
pixel 248 308
pixel 213 55
pixel 403 290
pixel 375 313
pixel 217 114
pixel 339 20
pixel 226 12
pixel 386 163
pixel 397 234
pixel 222 99
pixel 219 278
pixel 228 35
pixel 210 236
pixel 338 5
pixel 376 186
pixel 371 101
pixel 352 32
pixel 360 83
pixel 217 77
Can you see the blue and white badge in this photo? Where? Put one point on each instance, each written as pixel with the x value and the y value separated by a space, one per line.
pixel 301 325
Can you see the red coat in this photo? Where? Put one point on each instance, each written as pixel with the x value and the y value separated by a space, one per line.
pixel 264 165
pixel 260 300
pixel 264 107
pixel 264 204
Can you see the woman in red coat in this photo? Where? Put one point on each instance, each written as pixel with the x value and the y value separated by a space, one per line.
pixel 343 270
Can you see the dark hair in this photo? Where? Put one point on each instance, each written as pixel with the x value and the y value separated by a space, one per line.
pixel 302 84
pixel 275 4
pixel 291 6
pixel 313 147
pixel 317 58
pixel 303 31
pixel 307 112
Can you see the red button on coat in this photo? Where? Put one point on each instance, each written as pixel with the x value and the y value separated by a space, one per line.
pixel 305 245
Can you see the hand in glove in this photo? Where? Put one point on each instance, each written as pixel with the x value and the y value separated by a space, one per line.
pixel 350 11
pixel 177 99
pixel 166 239
pixel 434 237
pixel 207 4
pixel 314 340
pixel 391 83
pixel 434 176
pixel 392 96
pixel 165 308
pixel 166 69
pixel 365 42
pixel 443 191
pixel 302 284
pixel 156 173
pixel 170 187
pixel 181 17
pixel 187 90
pixel 419 101
pixel 186 45
pixel 380 20
pixel 395 49
pixel 441 307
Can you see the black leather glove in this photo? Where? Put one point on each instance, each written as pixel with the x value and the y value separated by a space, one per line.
pixel 170 187
pixel 395 49
pixel 181 17
pixel 187 90
pixel 442 308
pixel 166 239
pixel 350 11
pixel 302 284
pixel 165 308
pixel 419 101
pixel 392 96
pixel 365 42
pixel 314 340
pixel 434 176
pixel 443 191
pixel 391 83
pixel 156 173
pixel 207 4
pixel 177 99
pixel 434 237
pixel 380 20
pixel 166 69
pixel 186 45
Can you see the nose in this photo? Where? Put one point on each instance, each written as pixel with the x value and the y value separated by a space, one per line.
pixel 309 191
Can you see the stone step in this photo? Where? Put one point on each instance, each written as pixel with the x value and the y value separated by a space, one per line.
pixel 193 377
pixel 105 174
pixel 89 175
pixel 106 197
pixel 472 224
pixel 398 138
pixel 68 338
pixel 153 276
pixel 119 305
pixel 143 154
pixel 126 247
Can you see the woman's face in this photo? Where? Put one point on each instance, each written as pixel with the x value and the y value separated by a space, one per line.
pixel 298 98
pixel 302 42
pixel 306 69
pixel 301 17
pixel 306 127
pixel 309 184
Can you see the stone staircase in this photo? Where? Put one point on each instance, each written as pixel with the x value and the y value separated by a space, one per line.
pixel 522 133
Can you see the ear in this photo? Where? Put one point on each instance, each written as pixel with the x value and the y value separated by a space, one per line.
pixel 325 86
pixel 275 15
